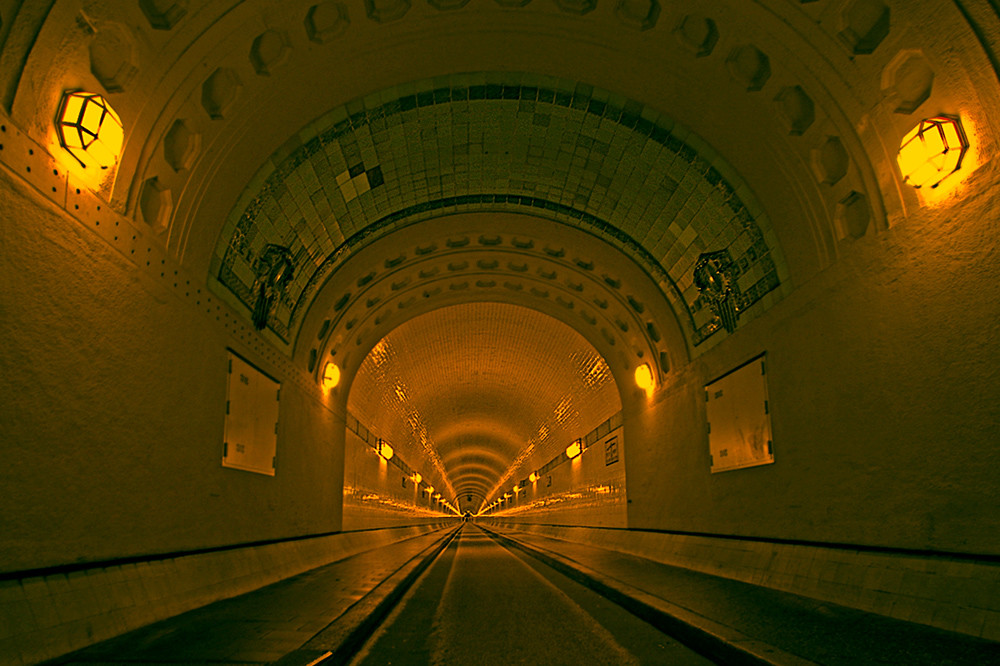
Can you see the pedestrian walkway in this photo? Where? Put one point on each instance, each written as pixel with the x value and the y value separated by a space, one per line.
pixel 265 625
pixel 748 623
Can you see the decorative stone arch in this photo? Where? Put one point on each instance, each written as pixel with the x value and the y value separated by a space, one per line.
pixel 501 142
pixel 561 271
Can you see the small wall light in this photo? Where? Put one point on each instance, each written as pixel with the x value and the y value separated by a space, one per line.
pixel 331 375
pixel 932 151
pixel 417 478
pixel 385 450
pixel 430 489
pixel 533 477
pixel 573 450
pixel 90 129
pixel 644 377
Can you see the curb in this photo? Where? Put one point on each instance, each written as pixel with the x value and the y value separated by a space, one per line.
pixel 711 639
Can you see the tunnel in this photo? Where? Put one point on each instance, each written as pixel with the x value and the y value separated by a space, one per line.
pixel 520 331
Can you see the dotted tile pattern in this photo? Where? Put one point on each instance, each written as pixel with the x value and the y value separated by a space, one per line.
pixel 489 141
pixel 466 393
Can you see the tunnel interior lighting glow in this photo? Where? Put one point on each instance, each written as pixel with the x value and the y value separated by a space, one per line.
pixel 573 450
pixel 90 129
pixel 932 151
pixel 644 377
pixel 385 450
pixel 331 375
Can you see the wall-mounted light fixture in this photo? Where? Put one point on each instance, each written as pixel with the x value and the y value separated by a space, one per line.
pixel 533 477
pixel 644 378
pixel 331 375
pixel 932 151
pixel 417 478
pixel 90 129
pixel 385 450
pixel 430 490
pixel 573 450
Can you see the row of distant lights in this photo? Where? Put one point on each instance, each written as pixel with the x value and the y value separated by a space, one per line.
pixel 572 451
pixel 331 378
pixel 643 379
pixel 93 133
pixel 385 451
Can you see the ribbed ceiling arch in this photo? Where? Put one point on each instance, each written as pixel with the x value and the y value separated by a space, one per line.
pixel 464 391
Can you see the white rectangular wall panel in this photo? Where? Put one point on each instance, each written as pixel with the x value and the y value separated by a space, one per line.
pixel 251 437
pixel 739 423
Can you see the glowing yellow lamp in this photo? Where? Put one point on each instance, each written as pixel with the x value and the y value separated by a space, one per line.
pixel 573 450
pixel 932 151
pixel 533 477
pixel 90 129
pixel 331 375
pixel 417 478
pixel 644 377
pixel 385 450
pixel 430 489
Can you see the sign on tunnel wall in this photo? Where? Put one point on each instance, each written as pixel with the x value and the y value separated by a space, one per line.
pixel 739 422
pixel 250 438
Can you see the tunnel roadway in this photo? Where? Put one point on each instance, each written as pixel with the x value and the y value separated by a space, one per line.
pixel 482 603
pixel 454 595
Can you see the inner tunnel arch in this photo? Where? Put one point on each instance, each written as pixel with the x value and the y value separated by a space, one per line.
pixel 571 275
pixel 442 370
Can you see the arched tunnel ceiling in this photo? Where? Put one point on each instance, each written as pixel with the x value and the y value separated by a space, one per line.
pixel 805 99
pixel 493 141
pixel 464 392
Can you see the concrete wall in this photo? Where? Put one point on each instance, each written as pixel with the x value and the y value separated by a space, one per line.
pixel 883 372
pixel 113 408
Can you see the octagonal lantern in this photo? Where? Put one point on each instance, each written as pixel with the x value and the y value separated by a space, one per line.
pixel 90 129
pixel 932 151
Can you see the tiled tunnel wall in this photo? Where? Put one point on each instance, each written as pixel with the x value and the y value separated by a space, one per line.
pixel 587 490
pixel 382 493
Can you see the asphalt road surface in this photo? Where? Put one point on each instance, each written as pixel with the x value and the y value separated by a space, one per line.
pixel 480 603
